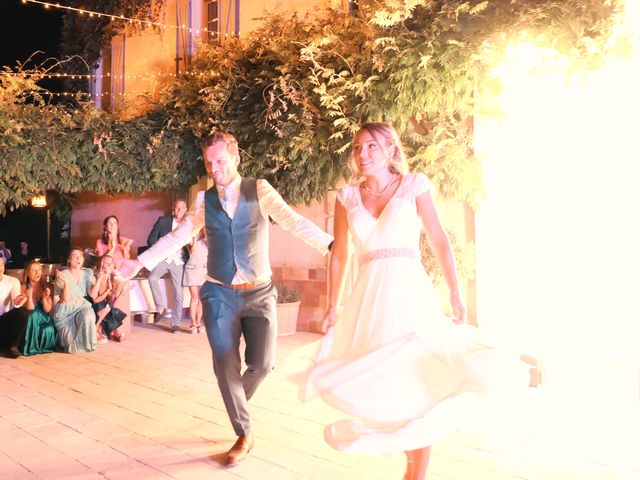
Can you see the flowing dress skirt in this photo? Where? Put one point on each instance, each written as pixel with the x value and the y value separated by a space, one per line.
pixel 40 334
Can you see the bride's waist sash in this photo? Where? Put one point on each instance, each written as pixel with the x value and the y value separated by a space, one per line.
pixel 388 253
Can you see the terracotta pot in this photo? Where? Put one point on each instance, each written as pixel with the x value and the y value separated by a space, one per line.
pixel 287 317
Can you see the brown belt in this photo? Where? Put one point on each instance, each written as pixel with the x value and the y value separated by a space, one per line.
pixel 247 286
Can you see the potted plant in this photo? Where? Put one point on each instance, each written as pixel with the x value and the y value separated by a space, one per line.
pixel 287 309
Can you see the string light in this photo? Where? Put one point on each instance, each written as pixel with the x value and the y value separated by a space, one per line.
pixel 147 23
pixel 87 94
pixel 74 76
pixel 103 94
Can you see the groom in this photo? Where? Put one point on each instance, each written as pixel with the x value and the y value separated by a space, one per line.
pixel 238 298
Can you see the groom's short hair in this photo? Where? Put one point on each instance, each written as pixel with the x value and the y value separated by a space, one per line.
pixel 228 139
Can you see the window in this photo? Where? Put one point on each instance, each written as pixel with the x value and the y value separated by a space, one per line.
pixel 213 18
pixel 183 36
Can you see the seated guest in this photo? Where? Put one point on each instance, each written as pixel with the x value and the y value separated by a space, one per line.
pixel 5 253
pixel 22 256
pixel 13 320
pixel 111 242
pixel 109 318
pixel 40 334
pixel 174 265
pixel 73 317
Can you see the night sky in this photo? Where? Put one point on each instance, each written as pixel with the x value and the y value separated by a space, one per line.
pixel 24 29
pixel 27 28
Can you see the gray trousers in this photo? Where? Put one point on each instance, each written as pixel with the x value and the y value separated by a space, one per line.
pixel 176 272
pixel 229 314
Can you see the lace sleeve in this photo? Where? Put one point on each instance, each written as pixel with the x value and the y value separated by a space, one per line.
pixel 422 184
pixel 346 197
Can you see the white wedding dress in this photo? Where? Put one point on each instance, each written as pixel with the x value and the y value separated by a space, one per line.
pixel 402 371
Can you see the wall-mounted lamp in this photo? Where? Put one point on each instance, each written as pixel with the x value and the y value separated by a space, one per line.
pixel 39 201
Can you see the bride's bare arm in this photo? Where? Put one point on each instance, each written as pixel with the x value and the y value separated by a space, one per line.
pixel 442 249
pixel 337 263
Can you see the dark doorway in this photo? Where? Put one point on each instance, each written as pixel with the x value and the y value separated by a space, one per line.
pixel 25 224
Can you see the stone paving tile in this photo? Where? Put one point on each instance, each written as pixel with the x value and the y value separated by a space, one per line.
pixel 149 408
pixel 54 465
pixel 200 471
pixel 82 476
pixel 139 473
pixel 22 447
pixel 102 430
pixel 147 427
pixel 187 442
pixel 11 407
pixel 13 470
pixel 29 420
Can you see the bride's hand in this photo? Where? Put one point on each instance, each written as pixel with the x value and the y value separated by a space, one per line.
pixel 459 310
pixel 329 319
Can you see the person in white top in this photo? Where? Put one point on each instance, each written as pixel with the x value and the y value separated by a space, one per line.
pixel 13 320
pixel 5 253
pixel 174 264
pixel 238 297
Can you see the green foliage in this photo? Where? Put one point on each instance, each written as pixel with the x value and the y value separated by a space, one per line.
pixel 287 294
pixel 70 148
pixel 294 101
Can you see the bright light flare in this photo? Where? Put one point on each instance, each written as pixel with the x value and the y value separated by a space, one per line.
pixel 558 235
pixel 558 240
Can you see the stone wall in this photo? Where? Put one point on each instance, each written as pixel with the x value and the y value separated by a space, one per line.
pixel 311 284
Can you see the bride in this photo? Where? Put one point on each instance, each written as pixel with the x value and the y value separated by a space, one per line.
pixel 391 360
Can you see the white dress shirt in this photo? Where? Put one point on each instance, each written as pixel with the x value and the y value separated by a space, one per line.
pixel 9 290
pixel 270 203
pixel 175 257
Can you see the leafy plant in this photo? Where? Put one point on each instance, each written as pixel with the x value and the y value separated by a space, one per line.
pixel 287 294
pixel 71 147
pixel 294 102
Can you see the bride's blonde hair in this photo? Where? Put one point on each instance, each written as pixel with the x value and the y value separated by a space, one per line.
pixel 387 138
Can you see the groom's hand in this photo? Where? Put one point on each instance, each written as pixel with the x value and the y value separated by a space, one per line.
pixel 127 270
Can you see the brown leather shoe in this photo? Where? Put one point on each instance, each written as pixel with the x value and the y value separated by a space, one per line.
pixel 240 449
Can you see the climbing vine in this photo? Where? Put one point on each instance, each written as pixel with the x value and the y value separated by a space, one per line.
pixel 293 101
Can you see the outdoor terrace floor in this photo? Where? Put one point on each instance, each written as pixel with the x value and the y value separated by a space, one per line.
pixel 149 408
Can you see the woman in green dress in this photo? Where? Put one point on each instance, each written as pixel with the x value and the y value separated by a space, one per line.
pixel 73 315
pixel 40 334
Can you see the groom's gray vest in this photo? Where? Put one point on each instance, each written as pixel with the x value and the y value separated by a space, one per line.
pixel 238 243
